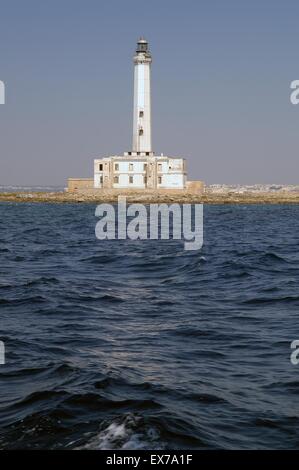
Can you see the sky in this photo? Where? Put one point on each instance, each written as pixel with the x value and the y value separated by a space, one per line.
pixel 221 77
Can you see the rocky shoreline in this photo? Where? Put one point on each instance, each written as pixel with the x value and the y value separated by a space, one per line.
pixel 280 197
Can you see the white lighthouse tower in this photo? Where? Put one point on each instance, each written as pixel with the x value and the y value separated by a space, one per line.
pixel 142 139
pixel 140 168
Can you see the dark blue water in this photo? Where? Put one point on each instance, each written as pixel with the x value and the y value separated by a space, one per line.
pixel 140 344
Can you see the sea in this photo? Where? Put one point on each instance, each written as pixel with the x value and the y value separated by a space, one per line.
pixel 123 344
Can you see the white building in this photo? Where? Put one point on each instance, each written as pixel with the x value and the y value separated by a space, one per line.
pixel 140 168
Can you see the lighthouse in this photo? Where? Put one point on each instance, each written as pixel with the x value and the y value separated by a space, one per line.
pixel 140 168
pixel 142 139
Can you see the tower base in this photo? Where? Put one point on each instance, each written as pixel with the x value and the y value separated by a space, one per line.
pixel 140 170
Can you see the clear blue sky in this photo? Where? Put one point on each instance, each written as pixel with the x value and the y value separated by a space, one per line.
pixel 220 84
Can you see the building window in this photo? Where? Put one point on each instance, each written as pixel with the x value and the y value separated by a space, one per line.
pixel 116 166
pixel 159 166
pixel 116 179
pixel 159 179
pixel 101 179
pixel 140 131
pixel 147 154
pixel 144 166
pixel 101 167
pixel 131 179
pixel 140 113
pixel 145 179
pixel 131 166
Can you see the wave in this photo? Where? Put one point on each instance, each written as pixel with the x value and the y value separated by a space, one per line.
pixel 206 398
pixel 99 259
pixel 127 432
pixel 271 300
pixel 270 258
pixel 24 301
pixel 43 280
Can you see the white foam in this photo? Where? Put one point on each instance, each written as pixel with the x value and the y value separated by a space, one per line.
pixel 122 434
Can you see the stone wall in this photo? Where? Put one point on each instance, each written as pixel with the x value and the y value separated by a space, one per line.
pixel 195 187
pixel 80 184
